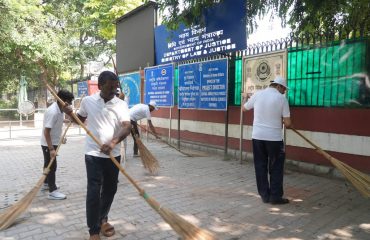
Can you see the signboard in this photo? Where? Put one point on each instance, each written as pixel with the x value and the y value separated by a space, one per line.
pixel 92 86
pixel 224 30
pixel 130 84
pixel 82 89
pixel 159 85
pixel 260 70
pixel 203 85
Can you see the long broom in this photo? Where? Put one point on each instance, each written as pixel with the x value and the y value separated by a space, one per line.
pixel 147 158
pixel 170 145
pixel 11 214
pixel 360 180
pixel 185 229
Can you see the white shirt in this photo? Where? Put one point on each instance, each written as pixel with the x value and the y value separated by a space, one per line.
pixel 53 119
pixel 140 111
pixel 270 106
pixel 104 120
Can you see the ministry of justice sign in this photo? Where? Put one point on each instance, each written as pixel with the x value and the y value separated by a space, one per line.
pixel 203 85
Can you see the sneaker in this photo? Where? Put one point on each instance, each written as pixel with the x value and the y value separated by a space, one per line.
pixel 45 187
pixel 136 155
pixel 55 195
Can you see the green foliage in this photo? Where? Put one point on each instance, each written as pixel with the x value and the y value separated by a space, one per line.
pixel 301 15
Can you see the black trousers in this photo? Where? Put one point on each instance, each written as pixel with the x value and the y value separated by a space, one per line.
pixel 135 131
pixel 50 178
pixel 269 158
pixel 102 178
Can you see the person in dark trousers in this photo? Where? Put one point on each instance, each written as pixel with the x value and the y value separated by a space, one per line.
pixel 50 137
pixel 271 111
pixel 108 120
pixel 138 112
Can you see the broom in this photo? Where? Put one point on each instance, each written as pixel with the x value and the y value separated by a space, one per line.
pixel 10 215
pixel 360 180
pixel 185 229
pixel 170 145
pixel 147 158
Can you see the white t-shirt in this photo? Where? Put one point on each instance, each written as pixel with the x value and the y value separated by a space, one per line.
pixel 53 119
pixel 104 120
pixel 270 106
pixel 140 111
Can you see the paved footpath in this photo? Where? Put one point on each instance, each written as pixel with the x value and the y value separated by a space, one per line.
pixel 214 194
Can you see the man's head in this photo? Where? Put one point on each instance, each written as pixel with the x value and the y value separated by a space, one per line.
pixel 280 84
pixel 66 96
pixel 108 84
pixel 152 105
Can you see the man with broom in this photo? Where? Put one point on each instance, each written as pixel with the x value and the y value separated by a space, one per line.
pixel 50 137
pixel 108 120
pixel 138 112
pixel 271 110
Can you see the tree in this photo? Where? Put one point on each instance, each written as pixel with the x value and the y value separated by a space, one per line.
pixel 300 15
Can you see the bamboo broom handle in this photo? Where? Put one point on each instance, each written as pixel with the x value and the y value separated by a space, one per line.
pixel 318 149
pixel 142 192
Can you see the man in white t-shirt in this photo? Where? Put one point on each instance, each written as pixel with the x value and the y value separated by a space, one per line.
pixel 50 138
pixel 108 120
pixel 271 111
pixel 138 112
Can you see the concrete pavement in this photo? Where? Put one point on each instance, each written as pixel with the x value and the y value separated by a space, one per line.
pixel 214 194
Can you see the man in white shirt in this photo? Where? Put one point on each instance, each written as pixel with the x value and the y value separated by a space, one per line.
pixel 50 137
pixel 138 112
pixel 109 121
pixel 271 111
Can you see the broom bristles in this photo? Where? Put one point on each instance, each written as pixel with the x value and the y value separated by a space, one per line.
pixel 181 226
pixel 149 161
pixel 10 215
pixel 359 180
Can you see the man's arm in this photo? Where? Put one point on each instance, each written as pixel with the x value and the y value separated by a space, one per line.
pixel 245 98
pixel 122 134
pixel 152 128
pixel 287 122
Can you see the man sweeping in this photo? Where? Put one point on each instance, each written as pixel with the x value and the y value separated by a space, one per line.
pixel 271 111
pixel 108 120
pixel 138 112
pixel 50 137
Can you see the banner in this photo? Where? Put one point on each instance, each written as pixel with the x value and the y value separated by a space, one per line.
pixel 130 84
pixel 203 85
pixel 159 85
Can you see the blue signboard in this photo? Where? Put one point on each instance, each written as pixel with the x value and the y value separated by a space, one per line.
pixel 224 30
pixel 130 84
pixel 159 85
pixel 82 89
pixel 203 85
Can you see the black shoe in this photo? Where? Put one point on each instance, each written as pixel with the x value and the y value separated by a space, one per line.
pixel 279 201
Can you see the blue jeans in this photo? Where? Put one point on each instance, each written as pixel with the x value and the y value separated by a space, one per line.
pixel 102 178
pixel 269 158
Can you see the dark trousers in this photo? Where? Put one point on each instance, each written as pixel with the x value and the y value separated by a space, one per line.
pixel 269 158
pixel 135 131
pixel 102 178
pixel 50 178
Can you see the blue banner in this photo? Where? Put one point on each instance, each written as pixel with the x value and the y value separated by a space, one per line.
pixel 130 84
pixel 203 85
pixel 224 30
pixel 159 85
pixel 82 89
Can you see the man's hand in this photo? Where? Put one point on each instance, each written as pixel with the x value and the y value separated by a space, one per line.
pixel 107 148
pixel 52 153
